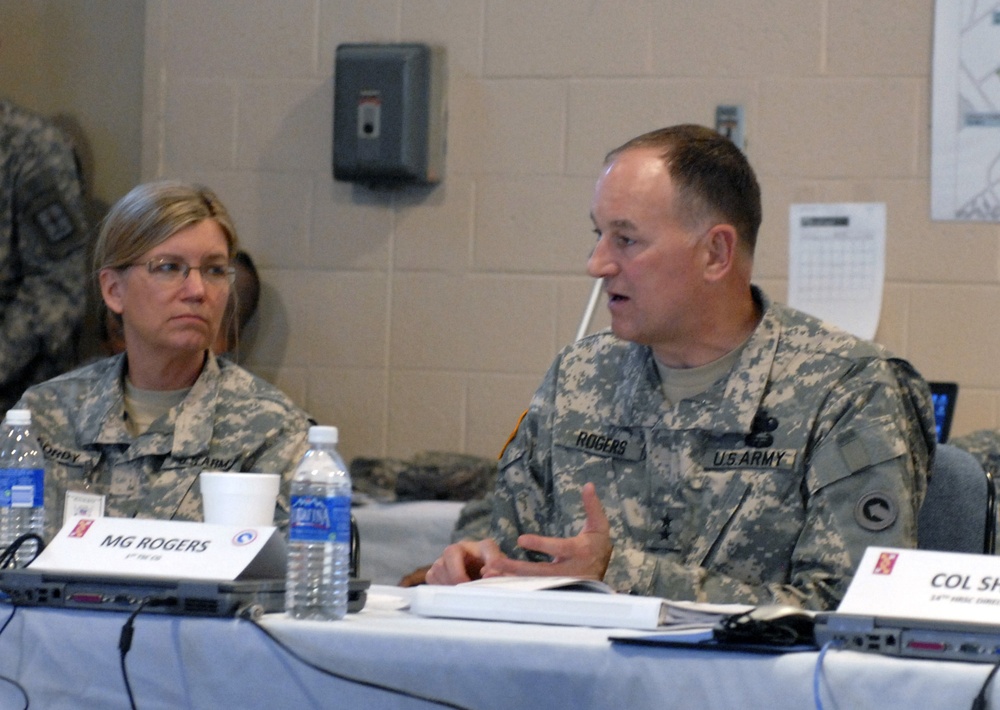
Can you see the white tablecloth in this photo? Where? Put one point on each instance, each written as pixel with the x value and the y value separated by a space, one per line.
pixel 69 659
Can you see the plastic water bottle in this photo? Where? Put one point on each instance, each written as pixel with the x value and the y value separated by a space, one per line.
pixel 22 484
pixel 319 532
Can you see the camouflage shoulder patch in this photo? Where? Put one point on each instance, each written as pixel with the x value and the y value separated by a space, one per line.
pixel 51 217
pixel 57 228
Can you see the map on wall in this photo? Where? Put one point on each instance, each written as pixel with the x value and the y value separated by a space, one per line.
pixel 965 116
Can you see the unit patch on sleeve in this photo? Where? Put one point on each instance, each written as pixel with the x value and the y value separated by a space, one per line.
pixel 875 511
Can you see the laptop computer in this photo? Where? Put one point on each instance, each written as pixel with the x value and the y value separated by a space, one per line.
pixel 913 638
pixel 194 597
pixel 943 395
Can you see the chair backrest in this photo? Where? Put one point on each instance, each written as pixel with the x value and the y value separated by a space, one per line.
pixel 959 511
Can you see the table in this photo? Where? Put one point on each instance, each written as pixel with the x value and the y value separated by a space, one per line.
pixel 69 659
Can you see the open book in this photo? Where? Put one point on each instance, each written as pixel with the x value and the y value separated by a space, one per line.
pixel 562 600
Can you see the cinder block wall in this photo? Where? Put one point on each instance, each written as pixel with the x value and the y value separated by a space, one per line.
pixel 424 319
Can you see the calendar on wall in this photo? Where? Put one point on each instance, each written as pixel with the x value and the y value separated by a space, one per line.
pixel 837 263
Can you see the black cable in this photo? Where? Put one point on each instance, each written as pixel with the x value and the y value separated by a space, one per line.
pixel 124 644
pixel 990 534
pixel 979 703
pixel 7 679
pixel 128 631
pixel 786 630
pixel 13 608
pixel 20 689
pixel 350 679
pixel 8 558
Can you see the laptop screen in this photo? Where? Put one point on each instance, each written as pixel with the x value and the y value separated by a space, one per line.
pixel 943 395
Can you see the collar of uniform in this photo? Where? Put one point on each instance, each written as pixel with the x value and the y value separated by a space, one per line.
pixel 747 381
pixel 107 425
pixel 196 414
pixel 727 406
pixel 192 423
pixel 639 399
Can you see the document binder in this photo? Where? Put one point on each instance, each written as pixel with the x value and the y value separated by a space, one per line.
pixel 560 600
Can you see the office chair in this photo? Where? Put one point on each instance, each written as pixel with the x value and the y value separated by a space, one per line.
pixel 959 513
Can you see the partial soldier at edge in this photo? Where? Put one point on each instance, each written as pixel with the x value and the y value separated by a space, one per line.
pixel 43 252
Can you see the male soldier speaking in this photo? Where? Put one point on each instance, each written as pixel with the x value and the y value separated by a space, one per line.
pixel 43 251
pixel 717 446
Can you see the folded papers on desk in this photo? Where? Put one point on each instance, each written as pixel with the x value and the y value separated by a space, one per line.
pixel 562 600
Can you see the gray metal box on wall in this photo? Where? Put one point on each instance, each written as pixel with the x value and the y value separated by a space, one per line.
pixel 389 114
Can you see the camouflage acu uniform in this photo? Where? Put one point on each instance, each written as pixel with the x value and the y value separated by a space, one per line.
pixel 43 246
pixel 984 445
pixel 229 421
pixel 766 487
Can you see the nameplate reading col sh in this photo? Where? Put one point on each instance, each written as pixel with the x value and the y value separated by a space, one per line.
pixel 164 549
pixel 924 584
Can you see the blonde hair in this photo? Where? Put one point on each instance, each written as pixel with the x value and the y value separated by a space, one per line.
pixel 153 212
